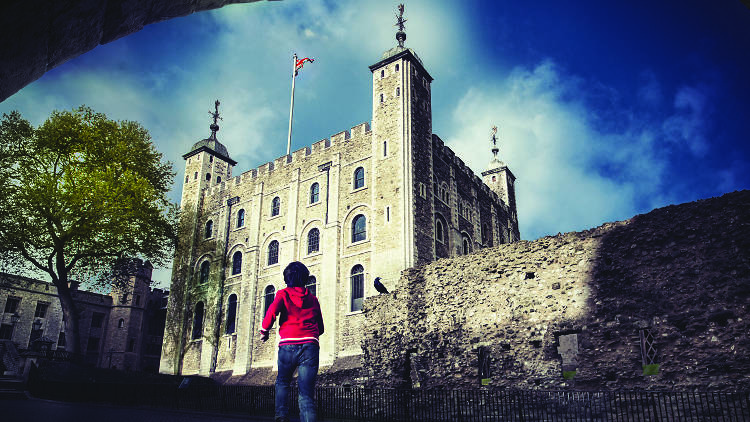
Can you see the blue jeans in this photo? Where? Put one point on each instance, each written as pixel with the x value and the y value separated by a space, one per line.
pixel 303 357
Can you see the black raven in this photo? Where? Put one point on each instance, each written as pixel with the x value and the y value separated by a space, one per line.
pixel 379 286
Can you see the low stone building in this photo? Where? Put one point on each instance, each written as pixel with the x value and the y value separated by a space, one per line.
pixel 659 301
pixel 123 329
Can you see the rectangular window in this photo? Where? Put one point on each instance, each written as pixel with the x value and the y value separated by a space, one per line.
pixel 61 340
pixel 385 148
pixel 6 332
pixel 93 345
pixel 97 319
pixel 41 310
pixel 387 213
pixel 11 305
pixel 422 190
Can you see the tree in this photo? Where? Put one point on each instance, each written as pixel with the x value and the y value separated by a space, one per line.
pixel 77 194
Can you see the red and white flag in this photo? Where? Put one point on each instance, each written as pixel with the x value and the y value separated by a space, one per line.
pixel 301 62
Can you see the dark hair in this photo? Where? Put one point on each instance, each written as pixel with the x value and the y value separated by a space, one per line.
pixel 296 274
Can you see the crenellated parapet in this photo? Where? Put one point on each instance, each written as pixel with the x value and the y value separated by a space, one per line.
pixel 447 155
pixel 324 146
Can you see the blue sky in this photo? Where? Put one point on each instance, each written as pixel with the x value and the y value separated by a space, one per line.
pixel 605 109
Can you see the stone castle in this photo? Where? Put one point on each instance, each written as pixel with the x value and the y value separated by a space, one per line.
pixel 123 329
pixel 371 201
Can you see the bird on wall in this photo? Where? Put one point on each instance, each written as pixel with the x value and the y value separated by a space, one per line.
pixel 379 286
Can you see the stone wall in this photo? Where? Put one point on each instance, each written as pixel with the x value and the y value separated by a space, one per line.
pixel 579 305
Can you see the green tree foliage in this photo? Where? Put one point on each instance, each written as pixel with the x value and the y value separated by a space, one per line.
pixel 77 194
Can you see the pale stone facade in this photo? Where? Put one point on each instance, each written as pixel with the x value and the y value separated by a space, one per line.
pixel 376 199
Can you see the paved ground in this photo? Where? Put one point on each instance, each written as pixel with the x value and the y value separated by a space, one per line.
pixel 35 410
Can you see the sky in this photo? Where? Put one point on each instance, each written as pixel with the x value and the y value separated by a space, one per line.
pixel 605 110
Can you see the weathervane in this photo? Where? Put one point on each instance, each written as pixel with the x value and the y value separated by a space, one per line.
pixel 215 127
pixel 495 149
pixel 400 35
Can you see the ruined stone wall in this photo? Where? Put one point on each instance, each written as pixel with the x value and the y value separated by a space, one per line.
pixel 679 277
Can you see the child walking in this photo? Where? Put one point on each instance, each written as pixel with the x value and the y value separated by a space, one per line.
pixel 300 325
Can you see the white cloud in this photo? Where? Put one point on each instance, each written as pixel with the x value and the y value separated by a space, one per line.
pixel 687 126
pixel 571 176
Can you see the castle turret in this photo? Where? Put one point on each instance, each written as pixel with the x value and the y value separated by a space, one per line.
pixel 502 181
pixel 207 164
pixel 130 293
pixel 402 143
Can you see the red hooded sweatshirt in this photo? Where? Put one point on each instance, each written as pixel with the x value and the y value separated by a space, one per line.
pixel 300 319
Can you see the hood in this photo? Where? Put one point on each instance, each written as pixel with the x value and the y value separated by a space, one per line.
pixel 298 295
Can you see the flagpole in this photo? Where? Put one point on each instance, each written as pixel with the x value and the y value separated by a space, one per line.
pixel 291 107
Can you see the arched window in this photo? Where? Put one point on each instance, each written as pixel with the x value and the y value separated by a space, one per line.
pixel 439 231
pixel 231 314
pixel 398 91
pixel 208 177
pixel 312 285
pixel 445 193
pixel 275 205
pixel 195 176
pixel 187 178
pixel 396 67
pixel 382 73
pixel 314 193
pixel 359 178
pixel 358 287
pixel 205 269
pixel 240 218
pixel 359 228
pixel 209 229
pixel 198 321
pixel 237 263
pixel 381 98
pixel 268 296
pixel 273 252
pixel 466 246
pixel 120 323
pixel 385 148
pixel 313 241
pixel 218 179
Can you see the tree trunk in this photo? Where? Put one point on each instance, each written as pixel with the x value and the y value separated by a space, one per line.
pixel 70 312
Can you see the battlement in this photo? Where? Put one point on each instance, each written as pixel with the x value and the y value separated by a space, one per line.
pixel 450 157
pixel 301 154
pixel 340 137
